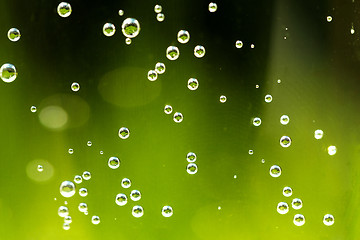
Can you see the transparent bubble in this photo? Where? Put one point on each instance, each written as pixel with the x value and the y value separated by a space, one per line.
pixel 172 53
pixel 83 207
pixel 75 86
pixel 168 109
pixel 275 171
pixel 282 208
pixel 65 202
pixel 67 189
pixel 178 117
pixel 125 183
pixel 160 17
pixel 268 98
pixel 296 203
pixel 40 168
pixel 183 36
pixel 235 176
pixel 318 134
pixel 130 27
pixel 135 195
pixel 328 220
pixel 262 160
pixel 8 72
pixel 67 219
pixel 219 207
pixel 252 46
pixel 66 226
pixel 257 86
pixel 257 121
pixel 279 81
pixel 191 168
pixel 285 141
pixel 137 211
pixel 64 9
pixel 128 41
pixel 86 175
pixel 124 133
pixel 71 151
pixel 212 7
pixel 193 84
pixel 152 75
pixel 167 211
pixel 33 109
pixel 95 220
pixel 352 30
pixel 83 192
pixel 332 150
pixel 251 152
pixel 114 162
pixel 329 18
pixel 160 68
pixel 287 191
pixel 63 211
pixel 86 213
pixel 158 8
pixel 89 143
pixel 78 179
pixel 284 119
pixel 109 29
pixel 191 157
pixel 223 98
pixel 101 152
pixel 199 51
pixel 299 220
pixel 121 12
pixel 121 199
pixel 239 44
pixel 13 34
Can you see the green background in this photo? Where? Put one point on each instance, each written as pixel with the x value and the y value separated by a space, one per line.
pixel 318 64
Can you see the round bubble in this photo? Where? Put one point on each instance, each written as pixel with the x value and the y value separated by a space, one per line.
pixel 13 34
pixel 212 7
pixel 167 211
pixel 67 189
pixel 158 8
pixel 124 133
pixel 332 150
pixel 8 72
pixel 66 226
pixel 67 219
pixel 328 220
pixel 183 36
pixel 168 109
pixel 128 41
pixel 160 68
pixel 275 171
pixel 152 75
pixel 239 44
pixel 137 211
pixel 172 53
pixel 95 220
pixel 130 27
pixel 63 211
pixel 121 12
pixel 125 183
pixel 135 195
pixel 178 117
pixel 199 51
pixel 78 179
pixel 296 203
pixel 40 168
pixel 193 84
pixel 75 86
pixel 160 17
pixel 121 199
pixel 71 151
pixel 191 168
pixel 33 109
pixel 251 152
pixel 191 157
pixel 287 191
pixel 114 162
pixel 268 98
pixel 64 9
pixel 257 121
pixel 329 18
pixel 284 119
pixel 223 98
pixel 318 134
pixel 89 143
pixel 299 220
pixel 83 207
pixel 109 29
pixel 282 208
pixel 86 175
pixel 285 141
pixel 83 192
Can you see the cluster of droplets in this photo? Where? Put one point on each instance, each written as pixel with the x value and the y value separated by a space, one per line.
pixel 159 14
pixel 192 167
pixel 135 195
pixel 177 117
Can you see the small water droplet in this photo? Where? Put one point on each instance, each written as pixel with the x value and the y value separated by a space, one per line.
pixel 252 46
pixel 257 121
pixel 40 168
pixel 113 162
pixel 212 7
pixel 78 179
pixel 284 119
pixel 75 86
pixel 71 151
pixel 257 86
pixel 191 168
pixel 268 98
pixel 318 134
pixel 86 175
pixel 64 9
pixel 33 109
pixel 172 53
pixel 83 207
pixel 158 8
pixel 191 157
pixel 128 41
pixel 296 203
pixel 223 98
pixel 168 109
pixel 83 192
pixel 89 143
pixel 130 27
pixel 329 18
pixel 193 84
pixel 279 81
pixel 67 189
pixel 121 12
pixel 8 72
pixel 124 133
pixel 328 220
pixel 285 141
pixel 178 117
pixel 67 219
pixel 287 191
pixel 282 208
pixel 125 183
pixel 63 211
pixel 183 36
pixel 101 152
pixel 135 195
pixel 152 75
pixel 199 51
pixel 332 150
pixel 235 176
pixel 95 220
pixel 121 199
pixel 14 34
pixel 66 226
pixel 239 44
pixel 167 211
pixel 251 152
pixel 262 160
pixel 137 211
pixel 109 29
pixel 160 68
pixel 299 220
pixel 160 17
pixel 275 171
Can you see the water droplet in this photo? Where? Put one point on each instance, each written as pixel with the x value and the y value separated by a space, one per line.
pixel 121 12
pixel 83 207
pixel 137 211
pixel 199 51
pixel 251 152
pixel 219 208
pixel 128 41
pixel 262 160
pixel 71 151
pixel 252 46
pixel 268 98
pixel 257 86
pixel 33 109
pixel 86 175
pixel 89 143
pixel 235 176
pixel 167 211
pixel 168 109
pixel 95 220
pixel 332 150
pixel 284 119
pixel 65 202
pixel 178 117
pixel 172 53
pixel 101 152
pixel 285 141
pixel 135 195
pixel 124 133
pixel 183 36
pixel 296 203
pixel 67 189
pixel 114 162
pixel 66 226
pixel 275 171
pixel 223 98
pixel 158 8
pixel 318 134
pixel 63 211
pixel 121 199
pixel 257 121
pixel 152 75
pixel 125 183
pixel 130 27
pixel 191 157
pixel 299 220
pixel 328 220
pixel 287 191
pixel 191 168
pixel 83 192
pixel 160 68
pixel 193 84
pixel 160 17
pixel 64 9
pixel 239 44
pixel 8 72
pixel 13 34
pixel 40 168
pixel 78 179
pixel 67 219
pixel 282 208
pixel 75 86
pixel 212 7
pixel 279 81
pixel 109 29
pixel 352 30
pixel 329 18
